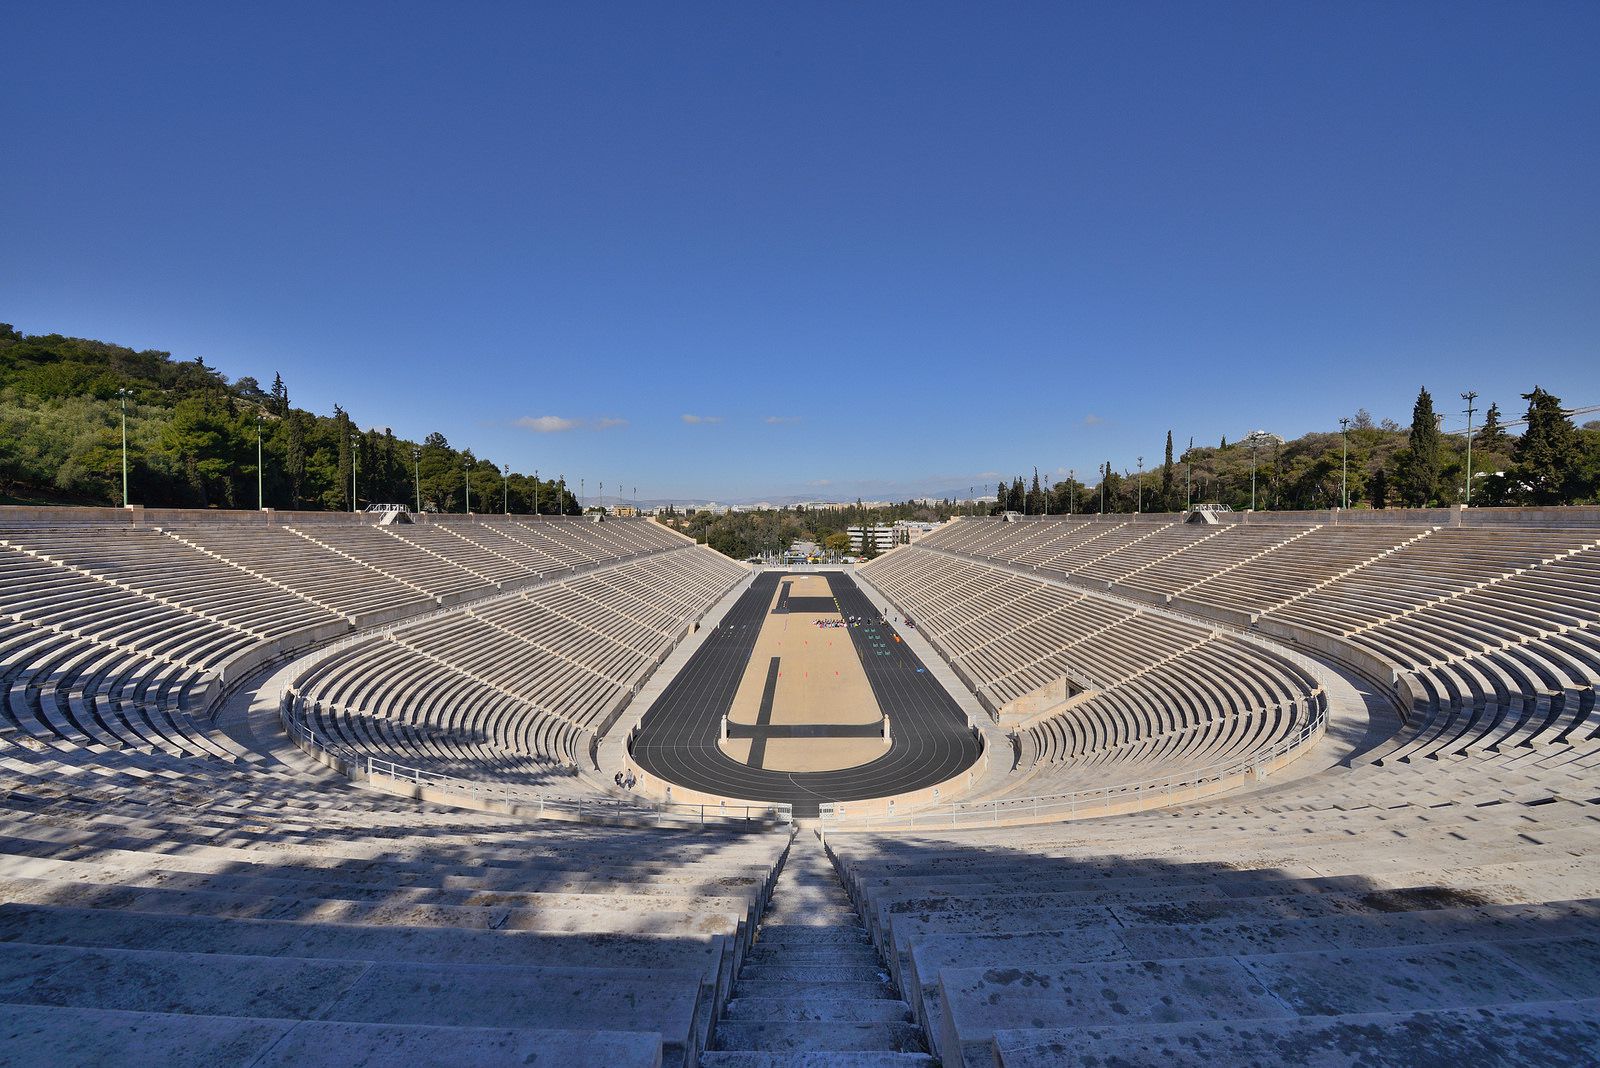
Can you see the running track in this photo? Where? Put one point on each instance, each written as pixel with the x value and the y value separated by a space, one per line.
pixel 677 739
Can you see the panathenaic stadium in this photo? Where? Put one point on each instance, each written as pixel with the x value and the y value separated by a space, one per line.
pixel 308 788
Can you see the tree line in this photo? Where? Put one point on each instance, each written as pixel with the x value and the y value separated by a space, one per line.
pixel 1552 461
pixel 193 438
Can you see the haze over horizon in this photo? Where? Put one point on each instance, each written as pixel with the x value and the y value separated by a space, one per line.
pixel 831 251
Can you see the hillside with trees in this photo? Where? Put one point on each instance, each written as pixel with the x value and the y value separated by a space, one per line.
pixel 192 440
pixel 1550 461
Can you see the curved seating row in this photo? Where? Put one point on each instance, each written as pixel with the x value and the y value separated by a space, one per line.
pixel 1492 631
pixel 527 676
pixel 1155 696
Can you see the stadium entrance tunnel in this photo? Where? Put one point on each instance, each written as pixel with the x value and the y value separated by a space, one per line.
pixel 802 695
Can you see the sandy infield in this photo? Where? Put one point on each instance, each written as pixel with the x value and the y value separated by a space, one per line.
pixel 818 680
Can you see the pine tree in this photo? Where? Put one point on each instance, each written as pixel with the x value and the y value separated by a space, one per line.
pixel 1035 501
pixel 279 405
pixel 1493 436
pixel 1547 453
pixel 1417 478
pixel 1166 477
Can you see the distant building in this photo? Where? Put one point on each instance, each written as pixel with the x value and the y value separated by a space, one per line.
pixel 881 537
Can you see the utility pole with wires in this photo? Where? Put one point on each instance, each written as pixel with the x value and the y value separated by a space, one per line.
pixel 1469 396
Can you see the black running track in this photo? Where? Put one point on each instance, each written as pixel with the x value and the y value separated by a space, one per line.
pixel 677 739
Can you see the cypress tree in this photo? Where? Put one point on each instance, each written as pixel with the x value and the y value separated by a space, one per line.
pixel 1418 474
pixel 1166 477
pixel 1547 453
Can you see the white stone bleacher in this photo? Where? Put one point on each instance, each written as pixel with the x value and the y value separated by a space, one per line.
pixel 156 893
pixel 1491 630
pixel 169 894
pixel 513 685
pixel 1349 917
pixel 1168 698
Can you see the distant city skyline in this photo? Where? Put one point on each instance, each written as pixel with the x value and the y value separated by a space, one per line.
pixel 740 253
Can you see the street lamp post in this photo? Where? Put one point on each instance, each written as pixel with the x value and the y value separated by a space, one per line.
pixel 536 492
pixel 466 482
pixel 1072 488
pixel 355 465
pixel 1140 506
pixel 261 499
pixel 124 394
pixel 1104 476
pixel 505 487
pixel 416 475
pixel 1469 396
pixel 1344 462
pixel 582 493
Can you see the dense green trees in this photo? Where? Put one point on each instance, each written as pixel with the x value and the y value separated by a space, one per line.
pixel 192 440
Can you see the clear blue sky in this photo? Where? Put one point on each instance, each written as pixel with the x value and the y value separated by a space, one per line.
pixel 760 249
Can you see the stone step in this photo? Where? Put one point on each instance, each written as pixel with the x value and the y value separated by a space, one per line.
pixel 127 929
pixel 976 1002
pixel 830 1035
pixel 814 1059
pixel 592 919
pixel 813 973
pixel 214 984
pixel 816 1007
pixel 802 953
pixel 783 988
pixel 1560 1032
pixel 57 1035
pixel 792 934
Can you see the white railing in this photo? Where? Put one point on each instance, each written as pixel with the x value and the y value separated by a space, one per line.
pixel 292 712
pixel 1191 785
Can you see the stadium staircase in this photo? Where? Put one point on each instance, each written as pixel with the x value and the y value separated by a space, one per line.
pixel 813 990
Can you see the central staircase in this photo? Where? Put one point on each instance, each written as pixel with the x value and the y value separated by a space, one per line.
pixel 812 991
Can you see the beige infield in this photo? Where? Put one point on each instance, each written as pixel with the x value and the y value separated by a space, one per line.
pixel 818 681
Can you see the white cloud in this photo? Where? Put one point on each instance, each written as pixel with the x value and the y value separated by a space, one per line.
pixel 1092 420
pixel 555 424
pixel 697 420
pixel 780 420
pixel 818 483
pixel 548 424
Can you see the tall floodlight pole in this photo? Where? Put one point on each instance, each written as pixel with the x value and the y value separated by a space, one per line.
pixel 261 499
pixel 1104 476
pixel 582 493
pixel 536 491
pixel 355 462
pixel 124 394
pixel 1344 462
pixel 416 475
pixel 602 496
pixel 1469 396
pixel 1072 488
pixel 466 482
pixel 1140 506
pixel 505 487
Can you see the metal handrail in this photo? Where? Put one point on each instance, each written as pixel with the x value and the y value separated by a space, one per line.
pixel 292 712
pixel 958 814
